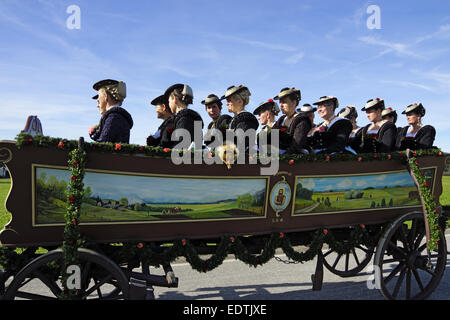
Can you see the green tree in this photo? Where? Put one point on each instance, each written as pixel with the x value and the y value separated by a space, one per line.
pixel 123 201
pixel 391 202
pixel 245 201
pixel 383 202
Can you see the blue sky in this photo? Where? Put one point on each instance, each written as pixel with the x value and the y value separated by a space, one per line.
pixel 320 47
pixel 160 189
pixel 357 182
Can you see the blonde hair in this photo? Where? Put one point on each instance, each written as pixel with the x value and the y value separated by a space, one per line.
pixel 106 90
pixel 244 95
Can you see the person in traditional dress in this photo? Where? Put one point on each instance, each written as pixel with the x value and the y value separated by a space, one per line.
pixel 293 126
pixel 213 106
pixel 115 123
pixel 416 135
pixel 179 97
pixel 389 114
pixel 330 136
pixel 162 137
pixel 237 98
pixel 379 135
pixel 350 113
pixel 266 113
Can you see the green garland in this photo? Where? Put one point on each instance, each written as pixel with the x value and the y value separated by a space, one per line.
pixel 72 240
pixel 432 214
pixel 24 139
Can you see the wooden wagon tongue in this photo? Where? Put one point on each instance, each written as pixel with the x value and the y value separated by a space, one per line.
pixel 422 201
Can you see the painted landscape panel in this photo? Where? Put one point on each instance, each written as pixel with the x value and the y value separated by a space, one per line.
pixel 113 197
pixel 356 193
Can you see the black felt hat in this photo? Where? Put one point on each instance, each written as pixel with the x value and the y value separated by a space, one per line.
pixel 233 90
pixel 292 92
pixel 374 103
pixel 116 88
pixel 160 100
pixel 416 107
pixel 306 108
pixel 212 98
pixel 270 105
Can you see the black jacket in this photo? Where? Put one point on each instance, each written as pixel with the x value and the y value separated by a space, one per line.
pixel 293 138
pixel 424 138
pixel 220 124
pixel 383 141
pixel 165 133
pixel 114 126
pixel 245 121
pixel 334 139
pixel 185 119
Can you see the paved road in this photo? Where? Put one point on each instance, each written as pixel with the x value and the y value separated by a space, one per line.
pixel 234 280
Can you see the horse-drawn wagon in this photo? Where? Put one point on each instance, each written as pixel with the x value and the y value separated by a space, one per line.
pixel 86 215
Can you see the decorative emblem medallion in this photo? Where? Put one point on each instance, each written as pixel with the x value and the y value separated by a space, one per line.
pixel 280 196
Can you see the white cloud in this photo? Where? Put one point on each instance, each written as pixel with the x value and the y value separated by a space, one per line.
pixel 294 58
pixel 396 47
pixel 408 84
pixel 345 184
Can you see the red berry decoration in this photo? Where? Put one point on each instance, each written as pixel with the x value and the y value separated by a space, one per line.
pixel 291 161
pixel 281 235
pixel 325 231
pixel 140 245
pixel 71 199
pixel 60 144
pixel 118 146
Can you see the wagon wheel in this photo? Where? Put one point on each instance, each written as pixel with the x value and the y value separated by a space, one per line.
pixel 401 260
pixel 348 264
pixel 100 278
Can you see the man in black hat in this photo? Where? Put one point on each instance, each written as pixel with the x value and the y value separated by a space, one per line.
pixel 179 97
pixel 115 123
pixel 213 106
pixel 162 137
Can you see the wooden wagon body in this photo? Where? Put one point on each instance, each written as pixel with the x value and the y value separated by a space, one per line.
pixel 136 197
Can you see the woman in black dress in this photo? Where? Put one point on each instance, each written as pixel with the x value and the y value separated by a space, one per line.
pixel 330 136
pixel 179 97
pixel 293 126
pixel 237 98
pixel 415 136
pixel 350 113
pixel 379 135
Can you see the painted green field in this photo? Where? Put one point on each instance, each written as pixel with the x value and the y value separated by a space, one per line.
pixel 90 213
pixel 445 197
pixel 335 201
pixel 5 216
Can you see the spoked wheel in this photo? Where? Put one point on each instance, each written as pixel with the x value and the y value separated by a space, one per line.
pixel 348 264
pixel 100 278
pixel 402 267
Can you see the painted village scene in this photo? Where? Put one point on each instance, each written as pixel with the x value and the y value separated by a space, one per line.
pixel 359 192
pixel 127 198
